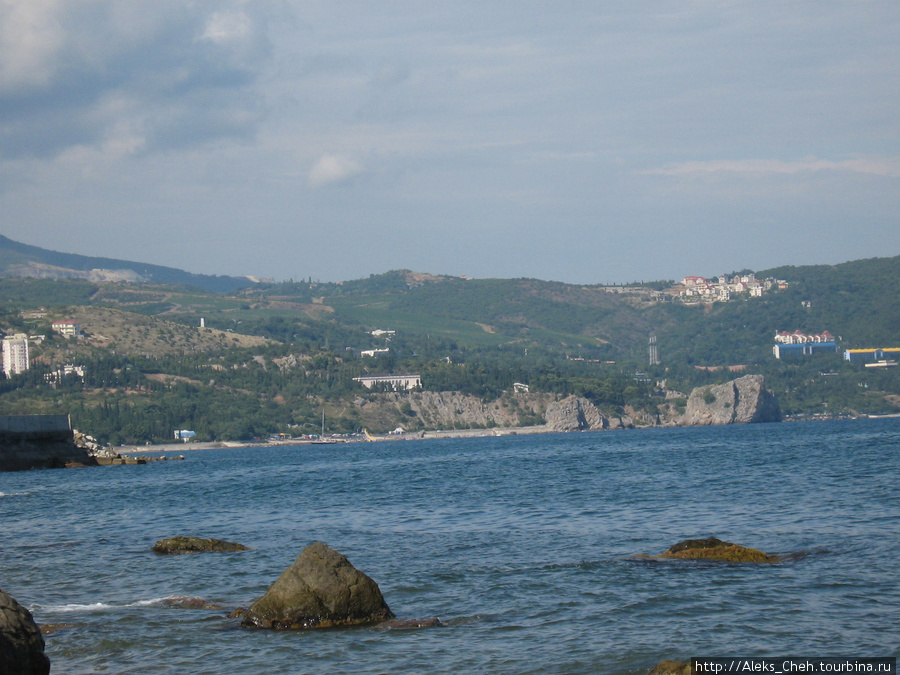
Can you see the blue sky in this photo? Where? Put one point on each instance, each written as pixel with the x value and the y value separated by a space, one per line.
pixel 575 141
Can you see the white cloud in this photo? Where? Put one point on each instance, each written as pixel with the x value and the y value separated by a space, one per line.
pixel 333 169
pixel 30 39
pixel 876 166
pixel 227 26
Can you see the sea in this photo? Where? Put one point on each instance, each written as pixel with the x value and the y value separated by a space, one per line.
pixel 522 545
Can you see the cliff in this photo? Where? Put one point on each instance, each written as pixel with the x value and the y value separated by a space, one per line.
pixel 38 441
pixel 450 410
pixel 741 401
pixel 575 413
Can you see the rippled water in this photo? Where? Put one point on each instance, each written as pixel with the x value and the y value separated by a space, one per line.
pixel 520 545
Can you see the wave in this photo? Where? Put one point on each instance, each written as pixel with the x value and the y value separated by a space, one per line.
pixel 104 606
pixel 169 602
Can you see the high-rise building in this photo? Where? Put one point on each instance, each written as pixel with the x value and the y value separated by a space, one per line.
pixel 654 354
pixel 15 354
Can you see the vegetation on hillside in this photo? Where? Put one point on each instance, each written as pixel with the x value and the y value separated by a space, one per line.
pixel 271 358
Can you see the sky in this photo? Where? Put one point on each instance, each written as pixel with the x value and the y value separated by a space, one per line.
pixel 577 141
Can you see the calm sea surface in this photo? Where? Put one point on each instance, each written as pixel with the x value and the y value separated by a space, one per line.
pixel 519 544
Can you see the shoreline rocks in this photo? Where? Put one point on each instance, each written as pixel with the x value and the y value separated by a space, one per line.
pixel 320 590
pixel 21 642
pixel 178 545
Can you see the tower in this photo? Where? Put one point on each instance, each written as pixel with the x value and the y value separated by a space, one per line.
pixel 15 354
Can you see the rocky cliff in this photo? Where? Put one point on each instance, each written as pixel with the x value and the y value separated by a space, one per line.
pixel 450 410
pixel 737 402
pixel 574 413
pixel 740 401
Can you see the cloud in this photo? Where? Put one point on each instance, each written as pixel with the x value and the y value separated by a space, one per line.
pixel 888 167
pixel 333 169
pixel 173 74
pixel 30 40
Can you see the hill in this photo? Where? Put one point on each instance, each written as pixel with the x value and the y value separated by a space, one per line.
pixel 21 260
pixel 271 357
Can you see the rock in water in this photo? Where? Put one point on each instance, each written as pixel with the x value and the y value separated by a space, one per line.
pixel 672 668
pixel 716 550
pixel 320 590
pixel 195 545
pixel 21 642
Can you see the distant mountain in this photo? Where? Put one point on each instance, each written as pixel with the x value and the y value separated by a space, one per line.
pixel 22 260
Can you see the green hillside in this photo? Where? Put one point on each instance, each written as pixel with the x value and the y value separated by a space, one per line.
pixel 271 357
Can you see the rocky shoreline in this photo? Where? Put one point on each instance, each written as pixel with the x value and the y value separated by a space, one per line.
pixel 320 590
pixel 741 401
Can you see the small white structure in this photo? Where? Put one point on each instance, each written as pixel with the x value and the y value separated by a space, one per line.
pixel 395 382
pixel 67 328
pixel 374 352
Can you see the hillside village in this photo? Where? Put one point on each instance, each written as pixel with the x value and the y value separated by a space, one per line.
pixel 723 287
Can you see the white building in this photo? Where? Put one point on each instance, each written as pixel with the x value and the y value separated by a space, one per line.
pixel 15 354
pixel 395 382
pixel 374 352
pixel 67 328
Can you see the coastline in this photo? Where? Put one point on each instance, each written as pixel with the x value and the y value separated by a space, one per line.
pixel 419 435
pixel 439 433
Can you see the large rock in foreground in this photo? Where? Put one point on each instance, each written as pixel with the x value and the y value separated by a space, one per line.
pixel 195 545
pixel 320 590
pixel 740 401
pixel 21 642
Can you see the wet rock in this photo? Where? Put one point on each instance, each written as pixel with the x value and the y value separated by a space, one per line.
pixel 195 545
pixel 21 642
pixel 672 668
pixel 189 602
pixel 320 590
pixel 715 550
pixel 51 628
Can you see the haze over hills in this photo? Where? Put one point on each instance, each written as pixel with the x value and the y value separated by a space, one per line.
pixel 22 260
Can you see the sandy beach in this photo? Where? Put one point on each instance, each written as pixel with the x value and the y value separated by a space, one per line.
pixel 440 433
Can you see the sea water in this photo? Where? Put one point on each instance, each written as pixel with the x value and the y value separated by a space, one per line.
pixel 521 545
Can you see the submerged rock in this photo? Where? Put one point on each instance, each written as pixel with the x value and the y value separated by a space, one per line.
pixel 672 668
pixel 320 590
pixel 715 550
pixel 189 602
pixel 195 545
pixel 21 642
pixel 408 624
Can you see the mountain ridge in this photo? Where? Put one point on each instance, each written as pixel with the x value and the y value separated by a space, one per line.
pixel 24 260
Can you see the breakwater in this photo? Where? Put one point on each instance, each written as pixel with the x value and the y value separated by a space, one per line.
pixel 38 441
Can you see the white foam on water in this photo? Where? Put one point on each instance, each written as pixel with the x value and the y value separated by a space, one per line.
pixel 76 607
pixel 101 606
